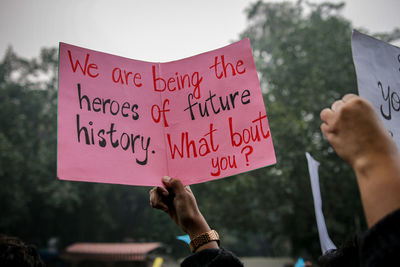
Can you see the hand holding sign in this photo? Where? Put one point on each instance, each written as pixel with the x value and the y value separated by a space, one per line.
pixel 131 122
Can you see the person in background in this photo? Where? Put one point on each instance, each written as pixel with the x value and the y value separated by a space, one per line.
pixel 16 253
pixel 355 131
pixel 358 136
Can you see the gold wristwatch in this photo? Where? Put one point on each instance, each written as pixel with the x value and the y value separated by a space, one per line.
pixel 202 239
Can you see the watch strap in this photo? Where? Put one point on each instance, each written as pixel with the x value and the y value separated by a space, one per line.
pixel 202 239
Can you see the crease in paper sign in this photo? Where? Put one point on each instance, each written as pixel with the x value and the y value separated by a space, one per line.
pixel 325 241
pixel 162 101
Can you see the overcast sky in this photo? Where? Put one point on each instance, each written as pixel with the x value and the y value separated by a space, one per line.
pixel 151 30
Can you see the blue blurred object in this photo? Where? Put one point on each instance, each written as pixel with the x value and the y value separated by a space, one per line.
pixel 184 238
pixel 299 263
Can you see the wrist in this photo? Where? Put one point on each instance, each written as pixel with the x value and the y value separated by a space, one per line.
pixel 367 166
pixel 198 226
pixel 209 239
pixel 379 185
pixel 377 152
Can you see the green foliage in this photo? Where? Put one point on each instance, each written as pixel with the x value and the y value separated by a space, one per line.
pixel 35 205
pixel 303 56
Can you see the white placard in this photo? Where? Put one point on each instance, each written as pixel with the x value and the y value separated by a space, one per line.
pixel 378 76
pixel 326 242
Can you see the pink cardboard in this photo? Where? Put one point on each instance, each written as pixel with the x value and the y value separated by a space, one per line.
pixel 125 121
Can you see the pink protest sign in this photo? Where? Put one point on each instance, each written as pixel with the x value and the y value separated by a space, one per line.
pixel 126 121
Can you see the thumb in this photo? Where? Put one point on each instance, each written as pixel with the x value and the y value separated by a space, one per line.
pixel 175 185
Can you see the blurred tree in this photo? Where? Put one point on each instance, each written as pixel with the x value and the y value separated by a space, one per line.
pixel 303 56
pixel 35 205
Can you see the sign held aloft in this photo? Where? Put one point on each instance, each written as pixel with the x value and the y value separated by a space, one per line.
pixel 127 121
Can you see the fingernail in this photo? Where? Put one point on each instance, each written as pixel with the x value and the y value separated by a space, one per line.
pixel 166 179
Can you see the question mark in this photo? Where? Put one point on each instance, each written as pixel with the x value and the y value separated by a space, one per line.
pixel 250 150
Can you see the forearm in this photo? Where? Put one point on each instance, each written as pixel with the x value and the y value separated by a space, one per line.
pixel 379 183
pixel 179 203
pixel 195 225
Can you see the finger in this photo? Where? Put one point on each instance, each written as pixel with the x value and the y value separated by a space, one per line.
pixel 159 190
pixel 326 115
pixel 173 184
pixel 337 105
pixel 348 97
pixel 188 189
pixel 152 190
pixel 153 197
pixel 329 135
pixel 157 202
pixel 325 129
pixel 162 191
pixel 160 206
